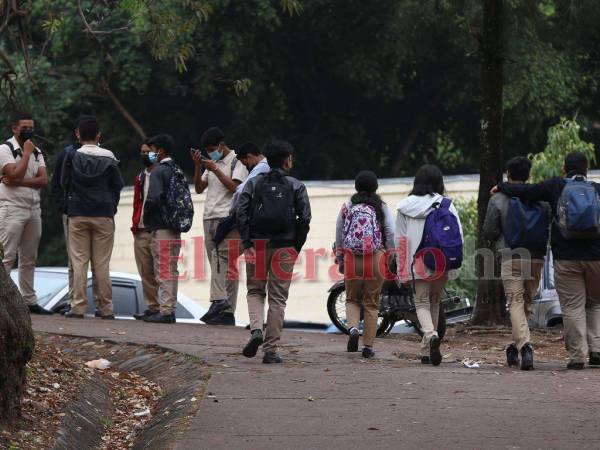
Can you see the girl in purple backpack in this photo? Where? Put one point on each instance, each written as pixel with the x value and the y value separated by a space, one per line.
pixel 415 232
pixel 364 230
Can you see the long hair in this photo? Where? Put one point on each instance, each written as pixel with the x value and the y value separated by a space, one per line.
pixel 428 181
pixel 366 193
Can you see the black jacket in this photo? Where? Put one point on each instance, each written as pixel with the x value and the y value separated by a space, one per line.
pixel 159 182
pixel 93 185
pixel 59 195
pixel 295 236
pixel 550 191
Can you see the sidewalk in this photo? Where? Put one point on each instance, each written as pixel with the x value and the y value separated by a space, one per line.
pixel 325 398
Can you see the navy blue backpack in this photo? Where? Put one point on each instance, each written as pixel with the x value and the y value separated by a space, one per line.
pixel 442 232
pixel 578 210
pixel 526 225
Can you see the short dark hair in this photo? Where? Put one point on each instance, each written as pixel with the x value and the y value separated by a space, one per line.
pixel 277 152
pixel 88 128
pixel 428 181
pixel 162 141
pixel 576 162
pixel 249 148
pixel 518 168
pixel 212 136
pixel 17 116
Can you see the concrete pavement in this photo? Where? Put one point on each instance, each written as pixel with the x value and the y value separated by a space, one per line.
pixel 325 398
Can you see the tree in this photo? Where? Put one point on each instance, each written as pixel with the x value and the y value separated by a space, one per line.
pixel 490 297
pixel 16 347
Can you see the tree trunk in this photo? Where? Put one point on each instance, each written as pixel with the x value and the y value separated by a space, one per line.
pixel 490 303
pixel 16 347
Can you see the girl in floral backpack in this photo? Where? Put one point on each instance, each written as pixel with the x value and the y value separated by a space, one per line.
pixel 364 230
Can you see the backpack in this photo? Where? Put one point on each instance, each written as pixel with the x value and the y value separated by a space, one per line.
pixel 526 225
pixel 19 152
pixel 442 232
pixel 362 232
pixel 177 211
pixel 578 210
pixel 272 204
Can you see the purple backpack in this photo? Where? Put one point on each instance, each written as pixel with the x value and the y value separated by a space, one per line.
pixel 442 232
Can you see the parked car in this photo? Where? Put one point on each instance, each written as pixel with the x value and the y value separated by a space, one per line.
pixel 52 287
pixel 545 311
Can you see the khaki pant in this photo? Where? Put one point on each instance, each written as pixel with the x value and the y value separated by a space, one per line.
pixel 20 233
pixel 223 286
pixel 272 274
pixel 428 299
pixel 91 240
pixel 521 279
pixel 363 289
pixel 578 287
pixel 65 222
pixel 142 250
pixel 165 253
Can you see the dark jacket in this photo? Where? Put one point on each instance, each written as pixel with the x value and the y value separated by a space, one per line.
pixel 59 195
pixel 93 185
pixel 295 236
pixel 550 191
pixel 161 175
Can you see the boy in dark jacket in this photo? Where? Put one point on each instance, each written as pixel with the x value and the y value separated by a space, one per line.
pixel 273 219
pixel 576 266
pixel 93 182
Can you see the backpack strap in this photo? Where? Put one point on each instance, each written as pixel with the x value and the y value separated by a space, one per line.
pixel 445 203
pixel 233 164
pixel 18 152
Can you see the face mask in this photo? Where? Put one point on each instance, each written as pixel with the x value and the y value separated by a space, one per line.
pixel 153 157
pixel 146 159
pixel 25 134
pixel 215 155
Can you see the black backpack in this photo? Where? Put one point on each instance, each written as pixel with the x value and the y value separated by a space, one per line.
pixel 272 204
pixel 18 152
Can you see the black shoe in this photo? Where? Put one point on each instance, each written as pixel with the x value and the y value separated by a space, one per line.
pixel 97 314
pixel 594 358
pixel 527 357
pixel 108 317
pixel 425 360
pixel 434 351
pixel 159 318
pixel 222 319
pixel 353 340
pixel 368 352
pixel 575 366
pixel 272 358
pixel 146 313
pixel 256 340
pixel 37 309
pixel 512 355
pixel 71 315
pixel 216 307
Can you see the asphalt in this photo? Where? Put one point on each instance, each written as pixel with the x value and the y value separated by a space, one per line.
pixel 325 398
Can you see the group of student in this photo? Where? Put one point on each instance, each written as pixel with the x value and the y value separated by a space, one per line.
pixel 255 208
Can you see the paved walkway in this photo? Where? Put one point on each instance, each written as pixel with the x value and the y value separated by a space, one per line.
pixel 325 398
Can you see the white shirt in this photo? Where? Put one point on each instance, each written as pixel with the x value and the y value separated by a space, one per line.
pixel 20 196
pixel 261 167
pixel 218 197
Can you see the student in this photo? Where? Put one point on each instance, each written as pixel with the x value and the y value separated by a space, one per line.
pixel 426 197
pixel 575 241
pixel 273 218
pixel 522 268
pixel 364 230
pixel 22 174
pixel 220 175
pixel 142 237
pixel 93 183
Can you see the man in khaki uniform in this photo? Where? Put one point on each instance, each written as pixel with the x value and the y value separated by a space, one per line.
pixel 23 173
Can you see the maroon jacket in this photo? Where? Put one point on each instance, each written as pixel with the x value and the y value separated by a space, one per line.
pixel 138 201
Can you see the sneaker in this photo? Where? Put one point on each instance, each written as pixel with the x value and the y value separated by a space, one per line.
pixel 354 335
pixel 272 358
pixel 97 314
pixel 222 319
pixel 256 340
pixel 425 360
pixel 148 312
pixel 575 366
pixel 594 359
pixel 108 317
pixel 527 357
pixel 72 315
pixel 216 307
pixel 368 352
pixel 512 355
pixel 37 309
pixel 160 318
pixel 434 351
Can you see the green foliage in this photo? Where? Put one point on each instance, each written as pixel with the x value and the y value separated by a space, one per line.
pixel 465 282
pixel 563 138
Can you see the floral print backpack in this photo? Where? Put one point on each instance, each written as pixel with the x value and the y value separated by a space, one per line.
pixel 362 232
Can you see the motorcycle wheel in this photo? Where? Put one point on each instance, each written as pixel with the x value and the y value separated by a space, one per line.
pixel 411 317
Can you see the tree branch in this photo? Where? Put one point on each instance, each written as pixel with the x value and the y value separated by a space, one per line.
pixel 121 108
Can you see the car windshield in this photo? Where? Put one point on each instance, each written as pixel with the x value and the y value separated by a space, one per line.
pixel 46 284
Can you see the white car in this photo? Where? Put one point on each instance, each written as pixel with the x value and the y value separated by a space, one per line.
pixel 52 287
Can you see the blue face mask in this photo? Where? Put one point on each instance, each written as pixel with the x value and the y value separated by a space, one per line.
pixel 153 157
pixel 215 155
